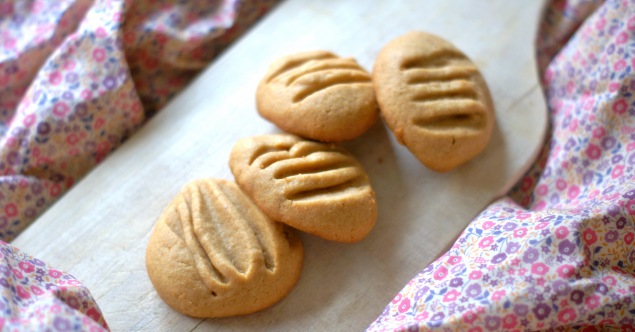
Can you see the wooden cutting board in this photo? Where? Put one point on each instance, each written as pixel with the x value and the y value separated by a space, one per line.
pixel 101 227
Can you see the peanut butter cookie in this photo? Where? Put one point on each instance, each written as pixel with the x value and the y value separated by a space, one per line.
pixel 315 187
pixel 318 95
pixel 434 100
pixel 213 253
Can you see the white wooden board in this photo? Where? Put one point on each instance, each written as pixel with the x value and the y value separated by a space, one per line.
pixel 101 227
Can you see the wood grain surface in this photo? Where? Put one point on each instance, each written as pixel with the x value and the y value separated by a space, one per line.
pixel 99 230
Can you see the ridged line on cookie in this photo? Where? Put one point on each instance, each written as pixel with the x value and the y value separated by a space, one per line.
pixel 318 66
pixel 326 184
pixel 316 162
pixel 458 89
pixel 338 78
pixel 209 243
pixel 452 114
pixel 436 59
pixel 255 221
pixel 443 74
pixel 295 62
pixel 206 269
pixel 265 156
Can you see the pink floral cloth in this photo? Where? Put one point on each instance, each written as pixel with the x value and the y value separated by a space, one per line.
pixel 76 78
pixel 557 253
pixel 79 76
pixel 37 297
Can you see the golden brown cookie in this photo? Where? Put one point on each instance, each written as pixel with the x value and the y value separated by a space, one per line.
pixel 315 187
pixel 318 95
pixel 213 253
pixel 434 100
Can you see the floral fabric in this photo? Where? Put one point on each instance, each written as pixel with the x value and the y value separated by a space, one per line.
pixel 79 76
pixel 557 253
pixel 37 297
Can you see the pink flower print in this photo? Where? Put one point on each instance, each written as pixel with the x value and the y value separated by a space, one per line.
pixel 542 190
pixel 101 32
pixel 573 192
pixel 56 274
pixel 99 54
pixel 453 260
pixel 487 225
pixel 451 296
pixel 629 237
pixel 99 122
pixel 520 232
pixel 565 271
pixel 566 315
pixel 620 107
pixel 475 275
pixel 562 232
pixel 599 132
pixel 630 25
pixel 404 305
pixel 592 301
pixel 498 295
pixel 72 139
pixel 422 316
pixel 622 37
pixel 11 210
pixel 55 78
pixel 86 94
pixel 600 24
pixel 509 321
pixel 29 120
pixel 593 152
pixel 630 207
pixel 55 190
pixel 36 290
pixel 561 184
pixel 614 87
pixel 60 108
pixel 523 215
pixel 542 225
pixel 26 267
pixel 469 316
pixel 23 293
pixel 397 298
pixel 486 242
pixel 610 280
pixel 440 273
pixel 619 65
pixel 17 273
pixel 589 236
pixel 539 268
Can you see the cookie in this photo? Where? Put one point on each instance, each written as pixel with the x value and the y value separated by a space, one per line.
pixel 318 188
pixel 213 253
pixel 433 99
pixel 318 95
